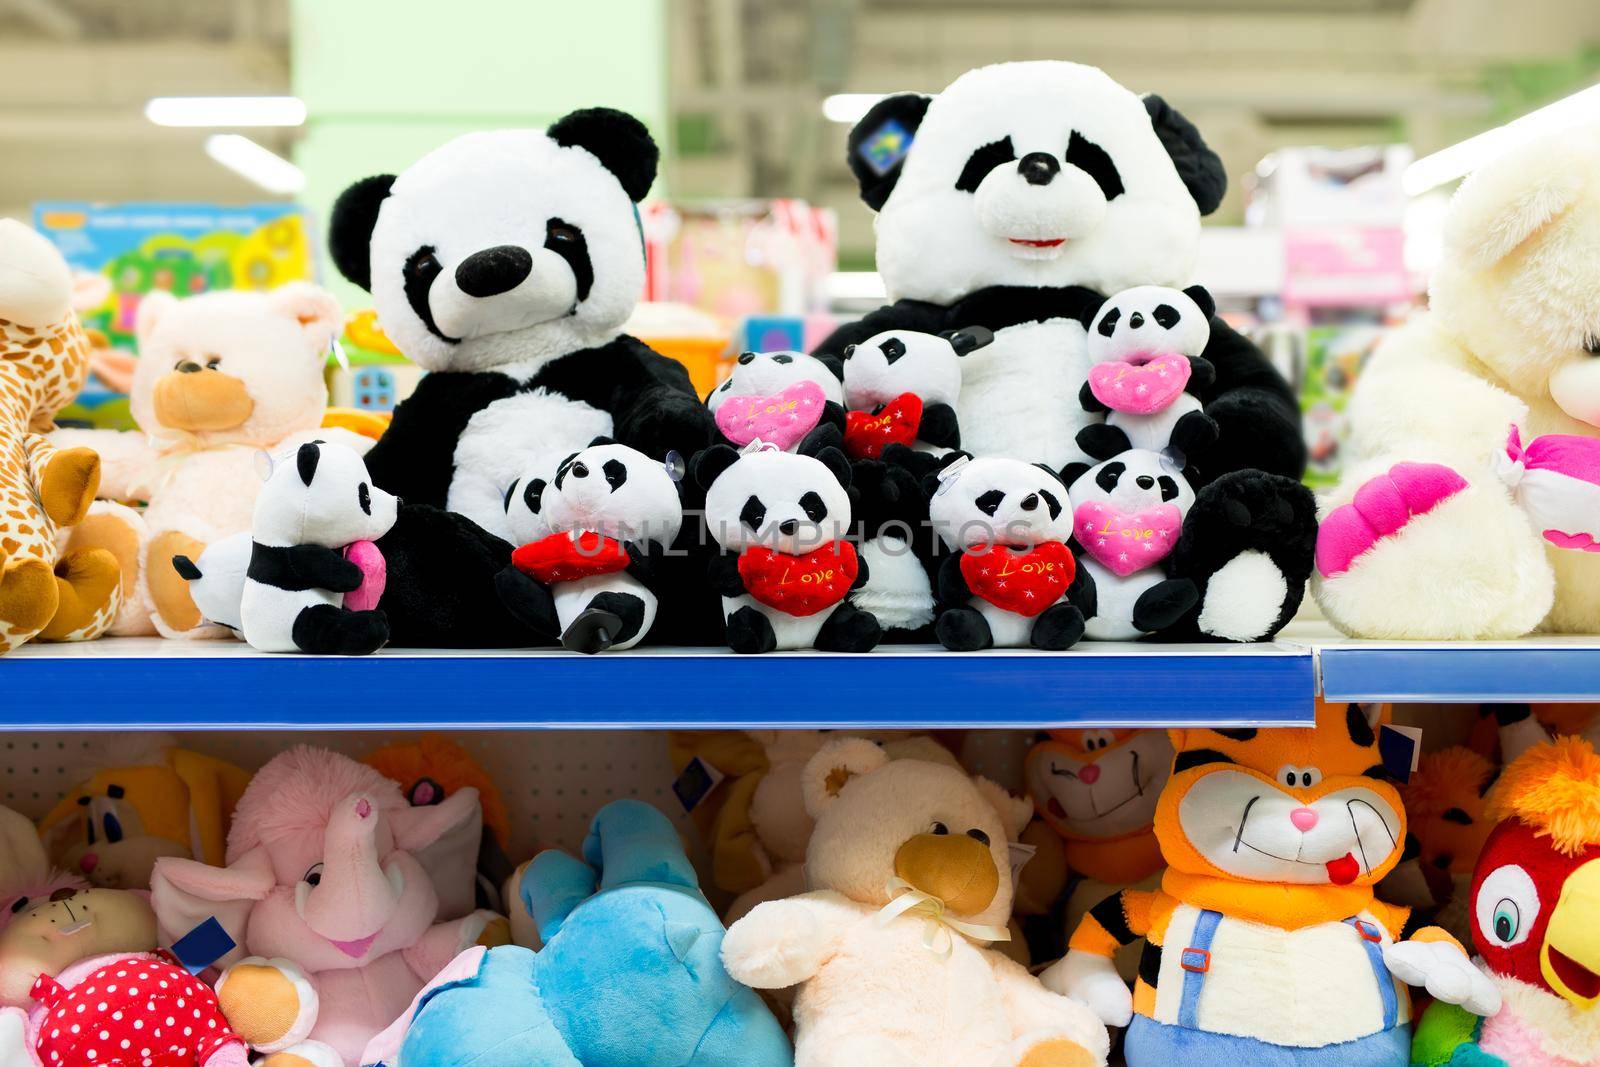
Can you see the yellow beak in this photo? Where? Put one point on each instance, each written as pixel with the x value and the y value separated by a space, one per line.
pixel 1570 959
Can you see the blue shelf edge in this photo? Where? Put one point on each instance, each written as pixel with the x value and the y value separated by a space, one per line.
pixel 1466 674
pixel 885 689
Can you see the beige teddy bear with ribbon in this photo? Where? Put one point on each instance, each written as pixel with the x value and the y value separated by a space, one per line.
pixel 910 874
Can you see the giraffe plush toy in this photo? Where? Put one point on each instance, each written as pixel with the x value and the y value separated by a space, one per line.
pixel 44 358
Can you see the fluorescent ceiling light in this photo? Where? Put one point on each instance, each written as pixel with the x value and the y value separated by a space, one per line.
pixel 249 160
pixel 1462 159
pixel 226 111
pixel 849 108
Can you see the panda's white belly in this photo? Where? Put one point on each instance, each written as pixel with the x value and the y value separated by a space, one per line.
pixel 1114 600
pixel 519 437
pixel 792 631
pixel 1019 394
pixel 572 598
pixel 1008 629
pixel 1154 432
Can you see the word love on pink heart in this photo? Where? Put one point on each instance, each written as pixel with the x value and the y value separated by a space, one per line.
pixel 1139 388
pixel 1124 542
pixel 782 419
pixel 374 575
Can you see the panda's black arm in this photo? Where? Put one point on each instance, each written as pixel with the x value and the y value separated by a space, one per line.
pixel 1090 402
pixel 300 567
pixel 863 574
pixel 415 458
pixel 642 559
pixel 940 427
pixel 1256 412
pixel 723 572
pixel 832 415
pixel 918 315
pixel 1082 593
pixel 652 403
pixel 953 590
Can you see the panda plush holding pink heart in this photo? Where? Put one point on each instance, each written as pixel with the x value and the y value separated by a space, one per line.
pixel 787 399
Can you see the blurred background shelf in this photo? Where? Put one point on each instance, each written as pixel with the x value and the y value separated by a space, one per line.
pixel 147 683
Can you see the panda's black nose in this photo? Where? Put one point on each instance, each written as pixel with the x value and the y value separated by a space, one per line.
pixel 1135 321
pixel 788 527
pixel 1144 481
pixel 494 270
pixel 1039 168
pixel 1029 502
pixel 747 357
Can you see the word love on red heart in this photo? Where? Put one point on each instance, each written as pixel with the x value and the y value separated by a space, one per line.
pixel 800 585
pixel 1025 581
pixel 563 558
pixel 867 434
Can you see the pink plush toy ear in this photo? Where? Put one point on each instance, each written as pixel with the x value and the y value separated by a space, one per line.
pixel 314 308
pixel 153 306
pixel 186 893
pixel 417 828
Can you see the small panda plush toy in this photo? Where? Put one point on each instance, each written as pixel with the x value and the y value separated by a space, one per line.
pixel 787 399
pixel 1145 369
pixel 1007 580
pixel 589 535
pixel 900 387
pixel 780 519
pixel 1127 519
pixel 313 528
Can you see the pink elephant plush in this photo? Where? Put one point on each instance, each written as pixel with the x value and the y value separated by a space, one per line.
pixel 332 915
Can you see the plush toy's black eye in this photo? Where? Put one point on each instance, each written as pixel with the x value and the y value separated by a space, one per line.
pixel 892 350
pixel 1108 325
pixel 1592 346
pixel 982 161
pixel 214 362
pixel 113 828
pixel 616 473
pixel 782 360
pixel 754 513
pixel 314 875
pixel 1051 502
pixel 19 905
pixel 1109 475
pixel 557 230
pixel 1093 161
pixel 533 495
pixel 989 502
pixel 364 498
pixel 1169 488
pixel 939 829
pixel 815 509
pixel 978 836
pixel 1166 316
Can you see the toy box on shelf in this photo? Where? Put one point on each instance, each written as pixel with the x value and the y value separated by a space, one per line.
pixel 373 376
pixel 182 248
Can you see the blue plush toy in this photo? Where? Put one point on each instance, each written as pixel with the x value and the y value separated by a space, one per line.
pixel 630 974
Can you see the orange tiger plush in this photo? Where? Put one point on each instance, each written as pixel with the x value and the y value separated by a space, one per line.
pixel 1265 943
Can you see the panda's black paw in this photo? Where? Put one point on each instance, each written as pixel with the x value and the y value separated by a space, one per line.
pixel 964 630
pixel 1163 604
pixel 750 633
pixel 1194 434
pixel 849 629
pixel 528 602
pixel 594 630
pixel 824 435
pixel 669 422
pixel 325 630
pixel 1057 628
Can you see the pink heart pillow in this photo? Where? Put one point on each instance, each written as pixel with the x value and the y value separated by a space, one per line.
pixel 782 419
pixel 1124 542
pixel 1139 388
pixel 374 575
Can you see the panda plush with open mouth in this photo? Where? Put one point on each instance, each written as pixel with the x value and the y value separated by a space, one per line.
pixel 1015 200
pixel 781 519
pixel 592 535
pixel 505 263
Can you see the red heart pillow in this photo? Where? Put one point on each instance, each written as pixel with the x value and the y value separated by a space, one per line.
pixel 1021 580
pixel 800 585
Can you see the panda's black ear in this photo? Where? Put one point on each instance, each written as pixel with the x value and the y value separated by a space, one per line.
pixel 931 480
pixel 350 227
pixel 618 140
pixel 834 364
pixel 880 141
pixel 837 462
pixel 1198 166
pixel 1051 471
pixel 1072 472
pixel 708 466
pixel 601 440
pixel 1202 297
pixel 969 339
pixel 306 460
pixel 1091 309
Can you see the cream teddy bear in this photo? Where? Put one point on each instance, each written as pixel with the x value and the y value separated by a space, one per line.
pixel 219 377
pixel 910 877
pixel 1425 539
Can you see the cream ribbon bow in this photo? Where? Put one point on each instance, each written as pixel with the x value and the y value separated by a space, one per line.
pixel 938 924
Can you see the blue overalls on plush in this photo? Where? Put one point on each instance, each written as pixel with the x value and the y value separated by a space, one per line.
pixel 630 974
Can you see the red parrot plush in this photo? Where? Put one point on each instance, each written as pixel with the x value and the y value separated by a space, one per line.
pixel 1535 921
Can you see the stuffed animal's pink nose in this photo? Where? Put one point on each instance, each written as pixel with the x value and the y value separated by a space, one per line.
pixel 363 808
pixel 1304 819
pixel 88 862
pixel 1089 775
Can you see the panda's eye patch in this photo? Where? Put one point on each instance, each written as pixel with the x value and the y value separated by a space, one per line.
pixel 418 275
pixel 616 473
pixel 533 495
pixel 566 241
pixel 754 513
pixel 564 468
pixel 1051 502
pixel 892 350
pixel 1093 161
pixel 982 161
pixel 783 359
pixel 1108 325
pixel 1166 316
pixel 815 509
pixel 364 497
pixel 989 502
pixel 1109 475
pixel 556 230
pixel 1169 488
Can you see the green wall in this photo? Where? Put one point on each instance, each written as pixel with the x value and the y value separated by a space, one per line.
pixel 385 81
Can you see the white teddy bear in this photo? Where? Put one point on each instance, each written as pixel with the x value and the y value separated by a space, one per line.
pixel 911 881
pixel 1424 538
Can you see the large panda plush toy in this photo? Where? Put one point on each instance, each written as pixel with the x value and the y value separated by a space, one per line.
pixel 505 263
pixel 1015 200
